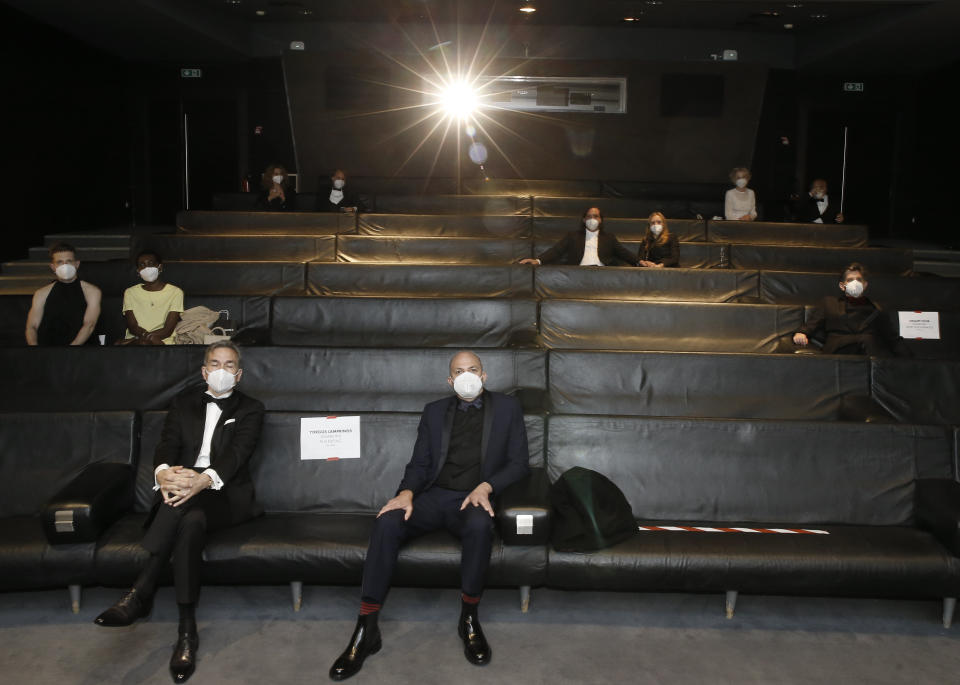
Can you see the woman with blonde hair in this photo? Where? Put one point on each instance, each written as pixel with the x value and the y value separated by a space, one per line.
pixel 659 247
pixel 740 202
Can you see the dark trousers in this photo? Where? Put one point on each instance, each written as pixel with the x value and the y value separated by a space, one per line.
pixel 181 532
pixel 433 509
pixel 856 343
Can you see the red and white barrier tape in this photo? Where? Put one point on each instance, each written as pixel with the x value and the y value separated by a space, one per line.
pixel 708 529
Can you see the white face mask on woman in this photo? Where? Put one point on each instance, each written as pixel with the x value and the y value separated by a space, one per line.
pixel 149 273
pixel 278 179
pixel 656 229
pixel 741 182
pixel 338 183
pixel 592 224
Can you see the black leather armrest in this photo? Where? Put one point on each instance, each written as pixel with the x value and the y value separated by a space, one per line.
pixel 523 510
pixel 89 503
pixel 938 510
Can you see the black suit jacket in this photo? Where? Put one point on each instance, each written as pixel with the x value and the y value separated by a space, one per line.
pixel 843 322
pixel 807 211
pixel 504 455
pixel 234 440
pixel 570 249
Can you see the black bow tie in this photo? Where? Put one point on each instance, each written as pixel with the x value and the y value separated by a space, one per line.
pixel 476 404
pixel 219 401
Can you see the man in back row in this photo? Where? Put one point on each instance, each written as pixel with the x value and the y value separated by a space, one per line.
pixel 66 311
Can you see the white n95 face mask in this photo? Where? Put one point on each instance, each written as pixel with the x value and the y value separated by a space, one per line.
pixel 338 183
pixel 656 229
pixel 468 386
pixel 592 224
pixel 221 380
pixel 66 272
pixel 741 182
pixel 854 288
pixel 278 179
pixel 149 273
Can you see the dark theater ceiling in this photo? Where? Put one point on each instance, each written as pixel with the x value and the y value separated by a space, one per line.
pixel 897 35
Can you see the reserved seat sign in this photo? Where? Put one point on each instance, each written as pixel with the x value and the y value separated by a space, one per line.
pixel 329 438
pixel 920 325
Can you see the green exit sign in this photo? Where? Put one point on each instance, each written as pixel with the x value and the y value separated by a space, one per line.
pixel 853 87
pixel 191 73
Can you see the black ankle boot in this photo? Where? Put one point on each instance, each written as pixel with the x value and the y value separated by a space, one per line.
pixel 183 661
pixel 475 646
pixel 131 606
pixel 364 642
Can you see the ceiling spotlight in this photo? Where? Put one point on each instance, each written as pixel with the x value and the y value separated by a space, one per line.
pixel 630 19
pixel 234 2
pixel 769 13
pixel 528 8
pixel 794 5
pixel 306 11
pixel 654 2
pixel 261 13
pixel 788 26
pixel 458 100
pixel 818 16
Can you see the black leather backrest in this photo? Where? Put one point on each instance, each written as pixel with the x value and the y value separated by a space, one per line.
pixel 629 283
pixel 763 471
pixel 41 452
pixel 284 482
pixel 675 327
pixel 452 204
pixel 420 280
pixel 917 390
pixel 331 380
pixel 204 277
pixel 770 233
pixel 554 227
pixel 426 250
pixel 879 260
pixel 736 386
pixel 445 225
pixel 890 292
pixel 401 322
pixel 293 223
pixel 253 248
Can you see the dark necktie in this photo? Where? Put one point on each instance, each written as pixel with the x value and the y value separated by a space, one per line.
pixel 219 401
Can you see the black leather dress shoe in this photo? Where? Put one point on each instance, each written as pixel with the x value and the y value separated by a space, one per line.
pixel 184 658
pixel 364 642
pixel 130 607
pixel 475 646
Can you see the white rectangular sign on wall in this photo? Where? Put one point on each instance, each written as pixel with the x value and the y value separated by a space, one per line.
pixel 920 325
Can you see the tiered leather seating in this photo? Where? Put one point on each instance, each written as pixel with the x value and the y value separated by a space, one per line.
pixel 662 379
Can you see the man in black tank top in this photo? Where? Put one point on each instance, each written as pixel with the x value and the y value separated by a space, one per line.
pixel 64 312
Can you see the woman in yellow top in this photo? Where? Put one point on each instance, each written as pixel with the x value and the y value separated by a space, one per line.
pixel 152 309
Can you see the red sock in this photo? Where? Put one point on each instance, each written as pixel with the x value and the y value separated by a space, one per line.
pixel 369 607
pixel 469 599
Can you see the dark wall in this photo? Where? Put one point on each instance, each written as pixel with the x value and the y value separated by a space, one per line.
pixel 66 163
pixel 381 130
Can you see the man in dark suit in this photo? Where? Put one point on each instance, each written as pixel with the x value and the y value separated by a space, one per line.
pixel 338 198
pixel 852 323
pixel 589 245
pixel 202 484
pixel 816 207
pixel 469 447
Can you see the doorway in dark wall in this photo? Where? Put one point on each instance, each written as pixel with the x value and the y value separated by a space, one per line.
pixel 212 147
pixel 871 149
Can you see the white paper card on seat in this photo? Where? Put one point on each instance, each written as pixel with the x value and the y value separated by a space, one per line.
pixel 524 524
pixel 920 325
pixel 330 437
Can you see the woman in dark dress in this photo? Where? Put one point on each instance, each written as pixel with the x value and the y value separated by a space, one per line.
pixel 659 247
pixel 276 190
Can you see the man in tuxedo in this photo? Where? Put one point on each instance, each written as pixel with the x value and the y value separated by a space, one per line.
pixel 338 198
pixel 588 245
pixel 470 446
pixel 852 323
pixel 816 207
pixel 202 484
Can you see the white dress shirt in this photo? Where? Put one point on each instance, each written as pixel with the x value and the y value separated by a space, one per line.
pixel 590 257
pixel 203 459
pixel 821 207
